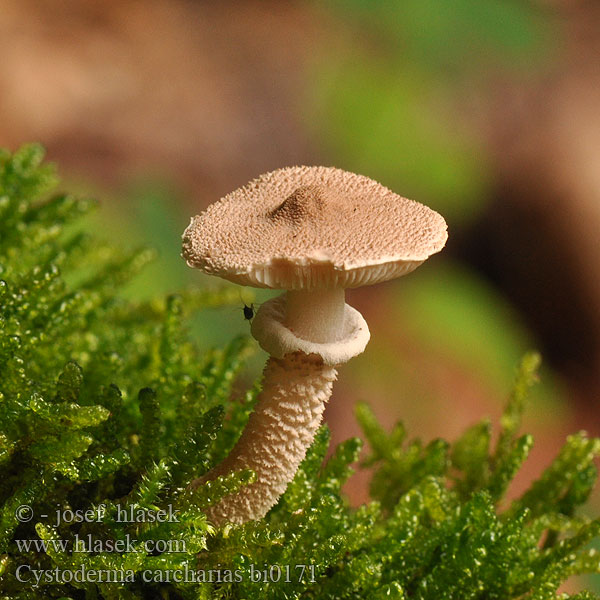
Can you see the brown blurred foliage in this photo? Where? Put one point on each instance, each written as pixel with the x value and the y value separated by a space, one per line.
pixel 202 90
pixel 540 239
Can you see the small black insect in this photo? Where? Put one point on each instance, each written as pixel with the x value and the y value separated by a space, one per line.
pixel 248 312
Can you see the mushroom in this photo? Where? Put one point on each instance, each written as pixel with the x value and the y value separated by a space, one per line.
pixel 312 231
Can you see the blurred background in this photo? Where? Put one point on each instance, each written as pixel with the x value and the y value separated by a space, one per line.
pixel 486 110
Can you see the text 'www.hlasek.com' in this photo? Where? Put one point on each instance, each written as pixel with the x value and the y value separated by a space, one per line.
pixel 78 571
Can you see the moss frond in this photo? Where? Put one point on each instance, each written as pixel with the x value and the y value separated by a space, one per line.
pixel 108 412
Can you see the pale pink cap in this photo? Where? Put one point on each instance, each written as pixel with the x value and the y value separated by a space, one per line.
pixel 312 227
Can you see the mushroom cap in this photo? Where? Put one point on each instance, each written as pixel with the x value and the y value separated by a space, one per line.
pixel 312 227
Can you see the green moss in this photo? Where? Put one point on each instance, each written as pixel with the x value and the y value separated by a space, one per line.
pixel 108 412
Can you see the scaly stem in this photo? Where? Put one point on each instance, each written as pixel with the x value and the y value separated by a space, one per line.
pixel 279 432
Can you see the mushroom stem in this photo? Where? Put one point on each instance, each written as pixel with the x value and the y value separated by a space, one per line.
pixel 316 315
pixel 281 428
pixel 297 382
